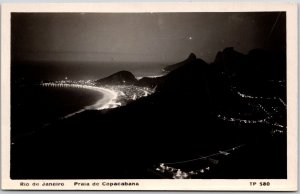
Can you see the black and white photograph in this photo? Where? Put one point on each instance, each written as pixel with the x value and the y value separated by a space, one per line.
pixel 134 96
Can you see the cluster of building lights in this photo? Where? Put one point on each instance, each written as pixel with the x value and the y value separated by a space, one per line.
pixel 178 173
pixel 246 121
pixel 72 82
pixel 257 102
pixel 168 169
pixel 128 93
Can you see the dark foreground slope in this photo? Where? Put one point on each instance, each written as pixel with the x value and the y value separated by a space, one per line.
pixel 179 121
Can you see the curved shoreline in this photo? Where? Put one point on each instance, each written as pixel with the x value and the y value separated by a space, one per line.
pixel 108 99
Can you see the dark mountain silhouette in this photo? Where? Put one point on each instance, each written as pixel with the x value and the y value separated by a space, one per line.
pixel 258 64
pixel 150 82
pixel 267 64
pixel 254 71
pixel 169 68
pixel 127 78
pixel 177 122
pixel 230 61
pixel 119 78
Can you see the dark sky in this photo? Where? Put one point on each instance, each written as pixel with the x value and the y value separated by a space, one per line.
pixel 141 37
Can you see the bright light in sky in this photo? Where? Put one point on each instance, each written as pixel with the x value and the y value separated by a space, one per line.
pixel 190 38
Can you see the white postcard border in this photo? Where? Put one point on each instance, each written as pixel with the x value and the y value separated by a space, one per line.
pixel 289 184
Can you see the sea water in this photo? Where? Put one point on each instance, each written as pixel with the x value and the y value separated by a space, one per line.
pixel 34 106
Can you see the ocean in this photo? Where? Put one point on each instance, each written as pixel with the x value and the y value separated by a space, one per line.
pixel 34 106
pixel 39 71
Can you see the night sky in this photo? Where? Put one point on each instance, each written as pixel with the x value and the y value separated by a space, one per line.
pixel 163 38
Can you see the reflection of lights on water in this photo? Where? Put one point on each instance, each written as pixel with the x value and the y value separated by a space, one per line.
pixel 150 76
